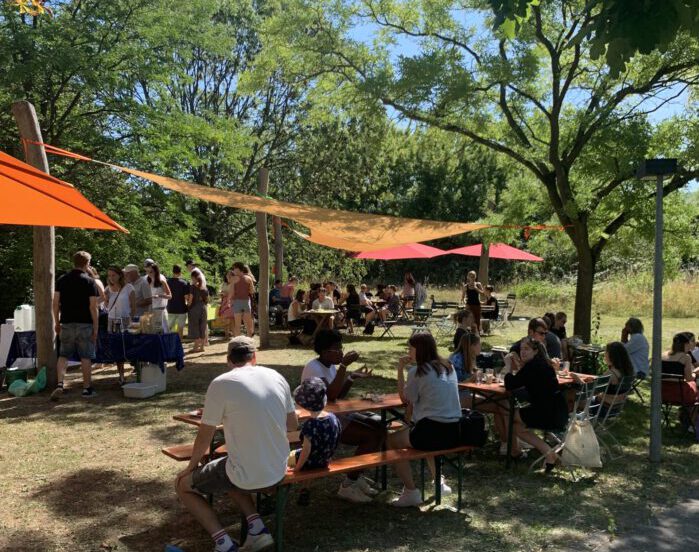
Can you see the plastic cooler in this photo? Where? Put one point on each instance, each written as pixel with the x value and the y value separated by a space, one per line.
pixel 138 390
pixel 152 375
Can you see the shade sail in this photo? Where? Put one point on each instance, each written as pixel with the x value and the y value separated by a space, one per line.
pixel 29 196
pixel 496 251
pixel 410 251
pixel 330 227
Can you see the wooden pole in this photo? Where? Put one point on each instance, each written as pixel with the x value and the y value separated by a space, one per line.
pixel 263 250
pixel 484 264
pixel 278 249
pixel 44 248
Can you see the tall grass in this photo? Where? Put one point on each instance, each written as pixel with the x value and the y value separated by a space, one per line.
pixel 619 295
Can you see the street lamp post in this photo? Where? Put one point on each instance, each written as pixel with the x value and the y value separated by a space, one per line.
pixel 657 169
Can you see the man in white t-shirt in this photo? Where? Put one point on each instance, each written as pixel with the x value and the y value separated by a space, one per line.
pixel 324 302
pixel 255 407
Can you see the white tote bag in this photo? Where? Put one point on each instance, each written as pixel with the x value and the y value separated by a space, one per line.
pixel 581 447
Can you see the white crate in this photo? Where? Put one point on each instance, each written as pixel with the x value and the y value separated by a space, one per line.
pixel 152 375
pixel 138 390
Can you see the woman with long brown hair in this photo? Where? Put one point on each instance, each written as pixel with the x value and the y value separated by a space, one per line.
pixel 121 306
pixel 432 393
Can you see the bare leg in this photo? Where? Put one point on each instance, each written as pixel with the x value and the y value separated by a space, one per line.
pixel 61 368
pixel 534 440
pixel 120 369
pixel 249 324
pixel 197 506
pixel 237 319
pixel 86 367
pixel 400 439
pixel 244 502
pixel 366 437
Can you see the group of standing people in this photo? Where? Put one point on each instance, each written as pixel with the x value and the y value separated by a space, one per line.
pixel 83 304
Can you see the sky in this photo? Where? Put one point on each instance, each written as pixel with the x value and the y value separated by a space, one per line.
pixel 408 46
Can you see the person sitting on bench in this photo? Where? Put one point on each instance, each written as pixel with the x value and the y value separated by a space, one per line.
pixel 431 390
pixel 255 407
pixel 359 430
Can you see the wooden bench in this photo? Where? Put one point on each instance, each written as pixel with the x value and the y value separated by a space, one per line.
pixel 340 466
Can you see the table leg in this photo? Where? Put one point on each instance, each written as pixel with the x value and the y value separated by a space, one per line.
pixel 137 367
pixel 510 430
pixel 384 468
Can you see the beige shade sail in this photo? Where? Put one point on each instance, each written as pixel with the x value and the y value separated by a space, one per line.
pixel 330 227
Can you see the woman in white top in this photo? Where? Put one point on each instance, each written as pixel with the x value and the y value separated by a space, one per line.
pixel 160 293
pixel 121 306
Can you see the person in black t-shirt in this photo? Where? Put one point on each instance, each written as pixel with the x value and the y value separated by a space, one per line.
pixel 76 321
pixel 177 306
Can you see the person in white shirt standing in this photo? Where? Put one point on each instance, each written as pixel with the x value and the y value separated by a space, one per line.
pixel 141 288
pixel 255 407
pixel 121 306
pixel 159 292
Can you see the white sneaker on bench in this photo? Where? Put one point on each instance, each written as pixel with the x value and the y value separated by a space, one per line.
pixel 446 489
pixel 253 543
pixel 408 499
pixel 353 493
pixel 366 487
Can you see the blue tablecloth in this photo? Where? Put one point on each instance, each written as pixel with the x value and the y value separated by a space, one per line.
pixel 157 349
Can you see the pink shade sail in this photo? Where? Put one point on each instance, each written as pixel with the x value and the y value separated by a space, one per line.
pixel 496 251
pixel 410 251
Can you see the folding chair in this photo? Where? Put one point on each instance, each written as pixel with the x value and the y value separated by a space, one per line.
pixel 421 317
pixel 511 304
pixel 672 388
pixel 556 438
pixel 608 415
pixel 634 388
pixel 503 315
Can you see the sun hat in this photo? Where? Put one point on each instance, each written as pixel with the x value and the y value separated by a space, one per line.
pixel 311 394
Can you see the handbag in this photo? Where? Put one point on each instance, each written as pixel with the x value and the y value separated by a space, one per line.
pixel 580 447
pixel 472 430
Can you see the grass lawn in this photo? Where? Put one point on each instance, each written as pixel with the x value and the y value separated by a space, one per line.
pixel 88 475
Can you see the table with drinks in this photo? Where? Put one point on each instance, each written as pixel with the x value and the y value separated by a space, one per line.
pixel 490 385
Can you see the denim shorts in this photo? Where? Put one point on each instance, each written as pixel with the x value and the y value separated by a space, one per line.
pixel 76 340
pixel 241 305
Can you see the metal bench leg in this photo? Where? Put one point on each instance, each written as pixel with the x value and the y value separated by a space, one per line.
pixel 460 466
pixel 422 479
pixel 437 480
pixel 243 528
pixel 282 494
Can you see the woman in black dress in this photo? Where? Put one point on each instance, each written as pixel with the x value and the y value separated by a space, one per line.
pixel 472 295
pixel 547 406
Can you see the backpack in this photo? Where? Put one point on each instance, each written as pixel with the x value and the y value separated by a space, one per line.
pixel 472 428
pixel 369 329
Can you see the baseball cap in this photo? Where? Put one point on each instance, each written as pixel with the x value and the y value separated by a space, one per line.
pixel 148 262
pixel 241 344
pixel 311 394
pixel 130 268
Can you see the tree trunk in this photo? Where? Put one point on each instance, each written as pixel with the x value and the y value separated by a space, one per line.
pixel 278 249
pixel 43 250
pixel 583 293
pixel 263 249
pixel 484 264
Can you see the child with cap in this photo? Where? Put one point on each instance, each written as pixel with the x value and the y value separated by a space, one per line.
pixel 320 434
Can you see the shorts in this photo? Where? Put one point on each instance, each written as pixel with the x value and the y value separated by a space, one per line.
pixel 212 478
pixel 76 340
pixel 241 305
pixel 176 321
pixel 431 435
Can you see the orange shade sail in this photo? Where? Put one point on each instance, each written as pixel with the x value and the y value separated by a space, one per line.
pixel 31 197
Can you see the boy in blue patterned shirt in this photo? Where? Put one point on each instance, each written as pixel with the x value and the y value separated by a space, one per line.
pixel 320 434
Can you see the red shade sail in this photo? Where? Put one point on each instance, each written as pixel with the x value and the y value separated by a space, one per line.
pixel 496 251
pixel 31 197
pixel 410 251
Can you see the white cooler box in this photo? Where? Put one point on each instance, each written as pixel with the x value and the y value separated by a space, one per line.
pixel 151 375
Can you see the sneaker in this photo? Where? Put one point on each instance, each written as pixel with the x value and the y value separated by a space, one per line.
pixel 446 489
pixel 408 499
pixel 88 393
pixel 365 487
pixel 353 493
pixel 253 543
pixel 56 394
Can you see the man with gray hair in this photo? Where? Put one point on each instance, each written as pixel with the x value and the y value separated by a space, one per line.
pixel 141 288
pixel 255 407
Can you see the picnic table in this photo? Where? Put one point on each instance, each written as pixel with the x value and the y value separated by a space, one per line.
pixel 495 392
pixel 321 317
pixel 381 403
pixel 114 347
